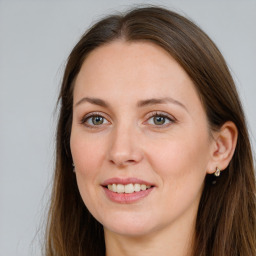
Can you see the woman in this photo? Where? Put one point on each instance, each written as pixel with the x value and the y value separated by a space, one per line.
pixel 153 155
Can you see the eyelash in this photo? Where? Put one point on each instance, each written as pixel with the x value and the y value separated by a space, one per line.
pixel 85 119
pixel 167 117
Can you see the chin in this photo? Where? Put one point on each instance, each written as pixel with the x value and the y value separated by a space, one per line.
pixel 130 231
pixel 128 225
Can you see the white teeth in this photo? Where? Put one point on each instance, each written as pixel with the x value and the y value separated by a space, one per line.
pixel 143 187
pixel 137 187
pixel 113 187
pixel 127 189
pixel 120 188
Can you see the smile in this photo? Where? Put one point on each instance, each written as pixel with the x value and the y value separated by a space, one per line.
pixel 127 189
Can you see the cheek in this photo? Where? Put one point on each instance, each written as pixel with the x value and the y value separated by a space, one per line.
pixel 181 158
pixel 181 167
pixel 87 152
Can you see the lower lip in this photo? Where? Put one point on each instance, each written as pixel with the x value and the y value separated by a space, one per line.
pixel 123 198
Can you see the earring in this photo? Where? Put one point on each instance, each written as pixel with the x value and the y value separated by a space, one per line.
pixel 74 170
pixel 217 172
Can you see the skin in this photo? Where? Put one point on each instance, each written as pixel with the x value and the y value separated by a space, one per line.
pixel 174 156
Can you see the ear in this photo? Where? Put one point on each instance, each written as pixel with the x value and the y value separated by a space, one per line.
pixel 223 147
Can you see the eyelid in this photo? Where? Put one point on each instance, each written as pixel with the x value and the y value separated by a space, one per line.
pixel 171 118
pixel 160 113
pixel 92 114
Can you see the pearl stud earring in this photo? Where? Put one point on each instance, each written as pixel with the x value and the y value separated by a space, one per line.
pixel 217 172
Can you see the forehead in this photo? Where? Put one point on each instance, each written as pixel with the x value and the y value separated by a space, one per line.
pixel 136 69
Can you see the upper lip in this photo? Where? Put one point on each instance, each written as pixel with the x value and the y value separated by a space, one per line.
pixel 125 181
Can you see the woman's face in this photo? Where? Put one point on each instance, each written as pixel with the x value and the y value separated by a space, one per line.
pixel 137 119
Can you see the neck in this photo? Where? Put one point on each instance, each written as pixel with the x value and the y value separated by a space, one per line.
pixel 175 242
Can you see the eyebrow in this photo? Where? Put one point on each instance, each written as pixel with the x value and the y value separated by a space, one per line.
pixel 142 103
pixel 94 101
pixel 155 101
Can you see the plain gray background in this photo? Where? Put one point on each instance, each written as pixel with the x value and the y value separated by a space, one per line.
pixel 35 39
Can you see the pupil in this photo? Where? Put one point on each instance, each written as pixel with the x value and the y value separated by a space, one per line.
pixel 159 120
pixel 97 120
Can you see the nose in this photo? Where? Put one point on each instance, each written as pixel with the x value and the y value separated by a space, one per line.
pixel 124 147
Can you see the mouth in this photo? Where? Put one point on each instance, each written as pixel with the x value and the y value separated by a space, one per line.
pixel 127 189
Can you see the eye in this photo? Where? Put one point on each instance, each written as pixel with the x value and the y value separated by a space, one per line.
pixel 160 119
pixel 94 120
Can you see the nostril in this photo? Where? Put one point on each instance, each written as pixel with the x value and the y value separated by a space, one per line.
pixel 123 163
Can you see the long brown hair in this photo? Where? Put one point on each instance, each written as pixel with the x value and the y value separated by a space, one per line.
pixel 226 220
